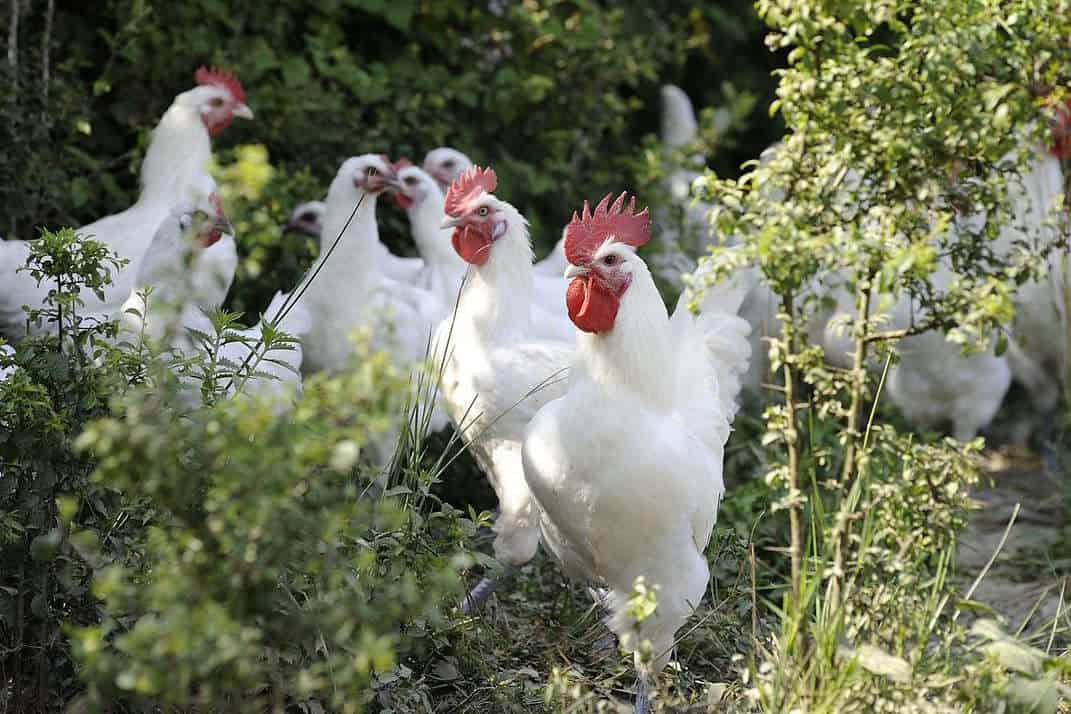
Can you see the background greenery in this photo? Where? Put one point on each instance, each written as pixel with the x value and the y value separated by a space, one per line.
pixel 562 97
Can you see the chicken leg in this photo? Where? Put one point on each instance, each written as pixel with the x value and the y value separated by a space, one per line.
pixel 483 590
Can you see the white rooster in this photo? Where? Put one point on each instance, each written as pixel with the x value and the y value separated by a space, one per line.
pixel 445 164
pixel 496 373
pixel 418 193
pixel 174 165
pixel 627 467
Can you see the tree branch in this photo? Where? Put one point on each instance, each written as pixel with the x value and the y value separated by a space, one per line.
pixel 46 48
pixel 13 41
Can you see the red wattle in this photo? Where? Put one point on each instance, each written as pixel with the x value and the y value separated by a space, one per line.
pixel 210 239
pixel 473 246
pixel 1061 132
pixel 217 125
pixel 592 307
pixel 402 201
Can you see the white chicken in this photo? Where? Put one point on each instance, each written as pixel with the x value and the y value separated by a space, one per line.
pixel 406 270
pixel 933 383
pixel 162 289
pixel 419 195
pixel 351 288
pixel 175 163
pixel 6 351
pixel 1038 350
pixel 164 306
pixel 417 192
pixel 445 164
pixel 496 374
pixel 626 468
pixel 307 218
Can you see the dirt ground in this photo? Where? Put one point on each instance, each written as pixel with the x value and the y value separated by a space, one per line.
pixel 1024 583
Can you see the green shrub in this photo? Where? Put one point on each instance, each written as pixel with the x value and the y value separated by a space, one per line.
pixel 270 575
pixel 60 383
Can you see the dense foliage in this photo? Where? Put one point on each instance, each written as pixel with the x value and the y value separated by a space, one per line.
pixel 162 546
pixel 901 116
pixel 558 95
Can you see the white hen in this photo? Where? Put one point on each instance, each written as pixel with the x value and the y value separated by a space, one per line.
pixel 351 288
pixel 419 195
pixel 627 467
pixel 307 218
pixel 164 306
pixel 1038 354
pixel 496 373
pixel 6 371
pixel 174 167
pixel 445 164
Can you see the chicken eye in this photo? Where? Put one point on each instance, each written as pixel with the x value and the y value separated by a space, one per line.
pixel 308 216
pixel 483 211
pixel 216 102
pixel 610 260
pixel 410 180
pixel 448 164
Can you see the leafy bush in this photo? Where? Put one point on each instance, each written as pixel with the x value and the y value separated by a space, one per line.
pixel 270 575
pixel 557 94
pixel 60 382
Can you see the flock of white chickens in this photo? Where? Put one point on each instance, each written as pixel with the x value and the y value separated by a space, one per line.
pixel 599 418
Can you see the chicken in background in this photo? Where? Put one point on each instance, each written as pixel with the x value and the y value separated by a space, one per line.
pixel 163 285
pixel 354 287
pixel 933 383
pixel 445 164
pixel 307 219
pixel 496 372
pixel 418 194
pixel 684 244
pixel 1038 349
pixel 165 308
pixel 175 164
pixel 7 351
pixel 626 467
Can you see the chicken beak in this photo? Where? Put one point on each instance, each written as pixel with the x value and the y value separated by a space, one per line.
pixel 242 111
pixel 575 271
pixel 451 222
pixel 223 225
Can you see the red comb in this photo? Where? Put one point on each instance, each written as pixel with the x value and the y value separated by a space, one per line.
pixel 216 204
pixel 469 185
pixel 589 230
pixel 221 78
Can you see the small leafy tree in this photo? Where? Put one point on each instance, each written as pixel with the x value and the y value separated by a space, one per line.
pixel 60 381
